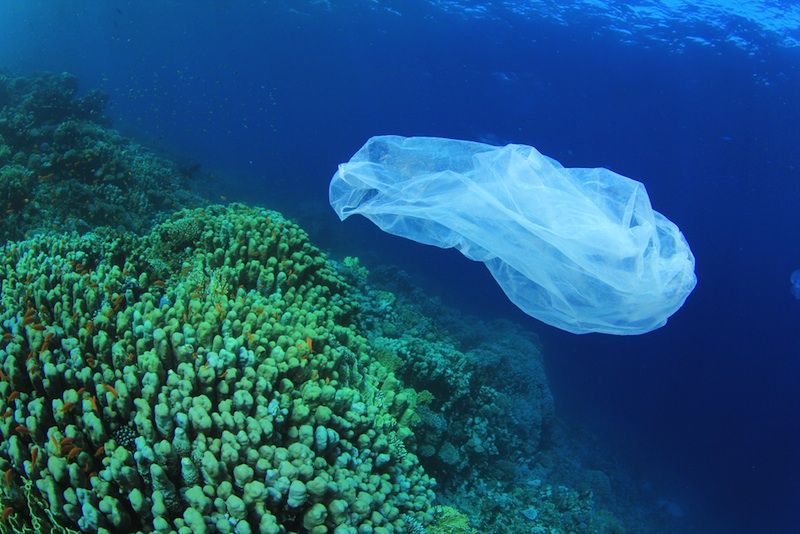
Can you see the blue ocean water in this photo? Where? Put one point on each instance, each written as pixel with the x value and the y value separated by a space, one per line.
pixel 698 100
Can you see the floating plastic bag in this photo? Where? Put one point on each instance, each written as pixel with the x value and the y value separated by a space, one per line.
pixel 580 249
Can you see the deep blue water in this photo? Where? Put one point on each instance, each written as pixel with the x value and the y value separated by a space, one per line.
pixel 271 96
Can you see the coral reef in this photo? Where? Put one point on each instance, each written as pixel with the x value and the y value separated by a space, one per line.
pixel 484 396
pixel 211 371
pixel 483 412
pixel 208 376
pixel 63 168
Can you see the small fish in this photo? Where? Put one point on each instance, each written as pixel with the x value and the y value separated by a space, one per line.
pixel 46 342
pixel 28 317
pixel 7 512
pixel 111 390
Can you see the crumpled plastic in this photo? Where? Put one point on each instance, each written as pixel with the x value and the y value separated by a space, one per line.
pixel 579 249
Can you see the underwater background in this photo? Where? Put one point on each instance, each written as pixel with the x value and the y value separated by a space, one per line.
pixel 691 428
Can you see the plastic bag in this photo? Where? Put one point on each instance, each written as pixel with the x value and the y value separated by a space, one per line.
pixel 580 249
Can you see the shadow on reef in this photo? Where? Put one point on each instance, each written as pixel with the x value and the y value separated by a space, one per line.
pixel 62 168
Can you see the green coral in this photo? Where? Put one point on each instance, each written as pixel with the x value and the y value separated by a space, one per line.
pixel 486 395
pixel 28 512
pixel 448 520
pixel 208 375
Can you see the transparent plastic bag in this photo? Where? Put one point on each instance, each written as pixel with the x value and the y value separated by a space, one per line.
pixel 580 249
